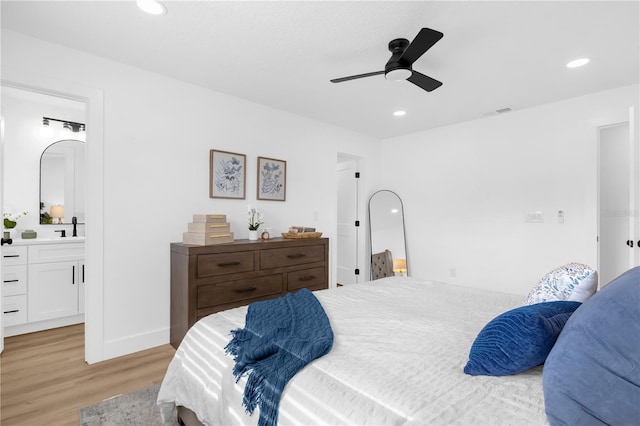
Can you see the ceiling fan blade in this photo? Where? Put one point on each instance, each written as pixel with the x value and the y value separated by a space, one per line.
pixel 424 82
pixel 425 39
pixel 353 77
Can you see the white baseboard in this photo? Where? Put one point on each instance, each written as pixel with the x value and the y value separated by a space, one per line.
pixel 135 343
pixel 32 327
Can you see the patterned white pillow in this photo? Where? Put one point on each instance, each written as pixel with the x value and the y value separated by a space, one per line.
pixel 574 282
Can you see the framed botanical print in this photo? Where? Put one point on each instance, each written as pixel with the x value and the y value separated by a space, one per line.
pixel 227 174
pixel 272 179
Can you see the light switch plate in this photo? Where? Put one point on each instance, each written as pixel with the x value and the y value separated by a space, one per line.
pixel 534 217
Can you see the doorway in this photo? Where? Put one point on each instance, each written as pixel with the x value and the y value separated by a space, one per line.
pixel 618 216
pixel 44 170
pixel 93 100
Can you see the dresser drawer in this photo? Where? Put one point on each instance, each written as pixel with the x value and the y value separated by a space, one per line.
pixel 305 278
pixel 14 280
pixel 234 291
pixel 14 310
pixel 225 263
pixel 275 258
pixel 16 255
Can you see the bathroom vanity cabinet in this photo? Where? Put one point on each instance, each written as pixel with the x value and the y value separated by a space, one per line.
pixel 43 285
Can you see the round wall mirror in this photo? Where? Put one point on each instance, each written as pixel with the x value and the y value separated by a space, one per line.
pixel 386 226
pixel 62 182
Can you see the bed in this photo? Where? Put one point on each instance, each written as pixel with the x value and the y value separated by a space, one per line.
pixel 400 346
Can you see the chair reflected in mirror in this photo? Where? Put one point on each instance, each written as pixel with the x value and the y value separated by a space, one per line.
pixel 386 230
pixel 381 265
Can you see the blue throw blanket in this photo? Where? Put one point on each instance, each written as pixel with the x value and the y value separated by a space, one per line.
pixel 280 337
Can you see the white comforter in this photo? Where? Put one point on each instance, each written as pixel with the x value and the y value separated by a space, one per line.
pixel 399 350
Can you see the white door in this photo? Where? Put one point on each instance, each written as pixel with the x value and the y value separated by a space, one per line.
pixel 618 234
pixel 347 245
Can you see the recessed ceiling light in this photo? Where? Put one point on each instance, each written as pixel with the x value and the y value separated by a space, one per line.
pixel 152 7
pixel 399 113
pixel 578 63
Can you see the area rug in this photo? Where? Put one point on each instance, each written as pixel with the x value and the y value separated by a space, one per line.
pixel 137 408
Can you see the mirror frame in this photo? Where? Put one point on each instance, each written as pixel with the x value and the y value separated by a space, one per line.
pixel 403 235
pixel 40 181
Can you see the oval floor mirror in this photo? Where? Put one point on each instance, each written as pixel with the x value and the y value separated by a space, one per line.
pixel 386 231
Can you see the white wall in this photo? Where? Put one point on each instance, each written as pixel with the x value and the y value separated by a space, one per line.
pixel 466 189
pixel 157 136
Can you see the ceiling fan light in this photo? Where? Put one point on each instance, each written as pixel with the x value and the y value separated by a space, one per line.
pixel 152 7
pixel 398 74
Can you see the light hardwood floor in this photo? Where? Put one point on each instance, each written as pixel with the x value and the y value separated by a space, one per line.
pixel 45 381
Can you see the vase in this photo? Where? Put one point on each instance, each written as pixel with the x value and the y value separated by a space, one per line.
pixel 253 235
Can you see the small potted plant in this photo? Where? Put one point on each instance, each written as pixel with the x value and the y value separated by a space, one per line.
pixel 255 220
pixel 10 220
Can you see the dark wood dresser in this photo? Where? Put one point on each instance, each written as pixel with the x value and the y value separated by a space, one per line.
pixel 208 279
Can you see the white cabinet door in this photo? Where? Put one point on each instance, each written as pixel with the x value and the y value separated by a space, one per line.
pixel 53 290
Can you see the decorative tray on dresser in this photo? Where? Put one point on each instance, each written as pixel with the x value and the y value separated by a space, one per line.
pixel 213 278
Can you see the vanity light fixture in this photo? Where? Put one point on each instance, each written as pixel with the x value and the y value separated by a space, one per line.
pixel 152 7
pixel 68 126
pixel 70 129
pixel 578 63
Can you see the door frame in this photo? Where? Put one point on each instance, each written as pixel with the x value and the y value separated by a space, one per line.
pixel 94 227
pixel 634 185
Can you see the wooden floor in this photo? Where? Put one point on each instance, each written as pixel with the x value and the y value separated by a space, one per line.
pixel 45 381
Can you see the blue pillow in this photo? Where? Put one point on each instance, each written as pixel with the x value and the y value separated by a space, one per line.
pixel 592 375
pixel 519 339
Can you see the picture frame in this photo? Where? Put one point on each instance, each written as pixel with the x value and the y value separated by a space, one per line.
pixel 272 179
pixel 227 174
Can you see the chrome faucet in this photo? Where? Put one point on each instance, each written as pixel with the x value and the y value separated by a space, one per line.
pixel 74 220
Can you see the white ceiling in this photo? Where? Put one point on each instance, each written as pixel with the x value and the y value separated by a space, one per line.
pixel 283 53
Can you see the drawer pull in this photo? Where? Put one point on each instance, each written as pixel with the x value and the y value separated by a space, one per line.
pixel 228 264
pixel 245 290
pixel 307 278
pixel 11 255
pixel 296 256
pixel 12 312
pixel 11 281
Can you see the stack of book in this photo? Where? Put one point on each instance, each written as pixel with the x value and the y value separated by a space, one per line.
pixel 208 229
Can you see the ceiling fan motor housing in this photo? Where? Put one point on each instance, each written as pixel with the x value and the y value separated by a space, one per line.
pixel 396 69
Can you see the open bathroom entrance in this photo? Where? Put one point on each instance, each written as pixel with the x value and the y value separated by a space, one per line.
pixel 39 164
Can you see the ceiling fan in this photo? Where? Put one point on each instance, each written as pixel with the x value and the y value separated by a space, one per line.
pixel 403 55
